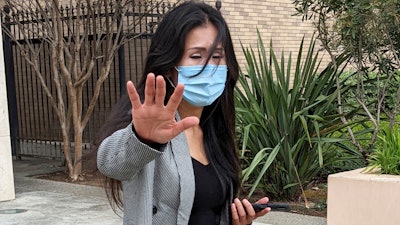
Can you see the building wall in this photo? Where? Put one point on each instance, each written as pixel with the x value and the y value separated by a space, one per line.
pixel 6 170
pixel 275 21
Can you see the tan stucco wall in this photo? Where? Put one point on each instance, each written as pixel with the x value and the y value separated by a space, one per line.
pixel 357 198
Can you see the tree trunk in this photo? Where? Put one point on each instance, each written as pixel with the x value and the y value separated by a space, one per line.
pixel 77 170
pixel 75 95
pixel 67 148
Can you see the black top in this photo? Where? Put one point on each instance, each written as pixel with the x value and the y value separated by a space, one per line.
pixel 208 198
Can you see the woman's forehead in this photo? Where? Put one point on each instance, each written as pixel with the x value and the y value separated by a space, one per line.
pixel 202 37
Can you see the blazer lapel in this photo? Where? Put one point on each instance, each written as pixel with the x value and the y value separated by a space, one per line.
pixel 180 150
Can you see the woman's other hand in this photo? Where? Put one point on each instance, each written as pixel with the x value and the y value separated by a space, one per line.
pixel 243 212
pixel 153 121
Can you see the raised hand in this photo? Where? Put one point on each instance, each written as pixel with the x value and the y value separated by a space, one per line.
pixel 153 121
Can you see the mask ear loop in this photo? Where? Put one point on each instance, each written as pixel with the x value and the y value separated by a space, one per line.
pixel 170 82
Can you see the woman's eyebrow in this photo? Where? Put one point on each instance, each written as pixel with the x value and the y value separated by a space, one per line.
pixel 196 48
pixel 204 48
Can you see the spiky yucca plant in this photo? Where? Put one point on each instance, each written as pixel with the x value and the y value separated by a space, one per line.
pixel 285 124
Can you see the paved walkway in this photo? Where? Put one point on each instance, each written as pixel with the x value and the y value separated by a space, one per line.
pixel 44 202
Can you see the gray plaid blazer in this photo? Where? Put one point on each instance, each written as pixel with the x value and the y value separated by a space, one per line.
pixel 158 185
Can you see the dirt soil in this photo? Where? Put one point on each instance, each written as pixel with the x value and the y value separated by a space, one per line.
pixel 316 201
pixel 316 195
pixel 92 179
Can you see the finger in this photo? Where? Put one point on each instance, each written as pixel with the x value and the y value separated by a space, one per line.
pixel 235 215
pixel 250 213
pixel 249 209
pixel 189 122
pixel 240 210
pixel 264 211
pixel 149 89
pixel 184 124
pixel 160 91
pixel 133 95
pixel 175 98
pixel 263 200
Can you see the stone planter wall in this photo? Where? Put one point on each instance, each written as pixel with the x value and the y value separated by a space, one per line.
pixel 355 198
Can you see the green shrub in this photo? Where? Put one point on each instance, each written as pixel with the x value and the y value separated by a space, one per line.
pixel 285 124
pixel 372 87
pixel 386 156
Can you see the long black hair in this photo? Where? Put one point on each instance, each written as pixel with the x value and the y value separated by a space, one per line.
pixel 217 120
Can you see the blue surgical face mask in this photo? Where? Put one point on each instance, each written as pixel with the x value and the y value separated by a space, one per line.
pixel 202 89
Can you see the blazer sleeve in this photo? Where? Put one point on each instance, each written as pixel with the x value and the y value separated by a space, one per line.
pixel 122 155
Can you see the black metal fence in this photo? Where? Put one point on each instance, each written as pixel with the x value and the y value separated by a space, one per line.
pixel 35 130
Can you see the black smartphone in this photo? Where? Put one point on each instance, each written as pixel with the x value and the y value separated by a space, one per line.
pixel 274 206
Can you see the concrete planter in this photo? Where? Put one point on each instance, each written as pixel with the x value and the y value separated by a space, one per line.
pixel 355 198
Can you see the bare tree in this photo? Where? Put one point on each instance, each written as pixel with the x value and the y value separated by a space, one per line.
pixel 77 42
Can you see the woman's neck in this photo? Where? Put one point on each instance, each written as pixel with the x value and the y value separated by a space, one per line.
pixel 186 110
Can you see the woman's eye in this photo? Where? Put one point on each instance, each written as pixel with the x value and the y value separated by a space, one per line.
pixel 195 56
pixel 217 56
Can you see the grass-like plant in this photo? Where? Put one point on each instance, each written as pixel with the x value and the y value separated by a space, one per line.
pixel 286 116
pixel 385 158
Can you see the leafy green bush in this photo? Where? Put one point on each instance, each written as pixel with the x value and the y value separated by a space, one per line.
pixel 373 86
pixel 285 124
pixel 386 156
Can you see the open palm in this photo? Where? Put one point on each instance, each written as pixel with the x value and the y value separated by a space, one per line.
pixel 153 121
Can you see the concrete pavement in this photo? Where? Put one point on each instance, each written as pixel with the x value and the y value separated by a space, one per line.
pixel 47 202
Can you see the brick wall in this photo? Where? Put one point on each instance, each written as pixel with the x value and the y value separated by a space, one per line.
pixel 273 18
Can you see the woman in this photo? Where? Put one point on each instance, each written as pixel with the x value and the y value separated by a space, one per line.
pixel 173 147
